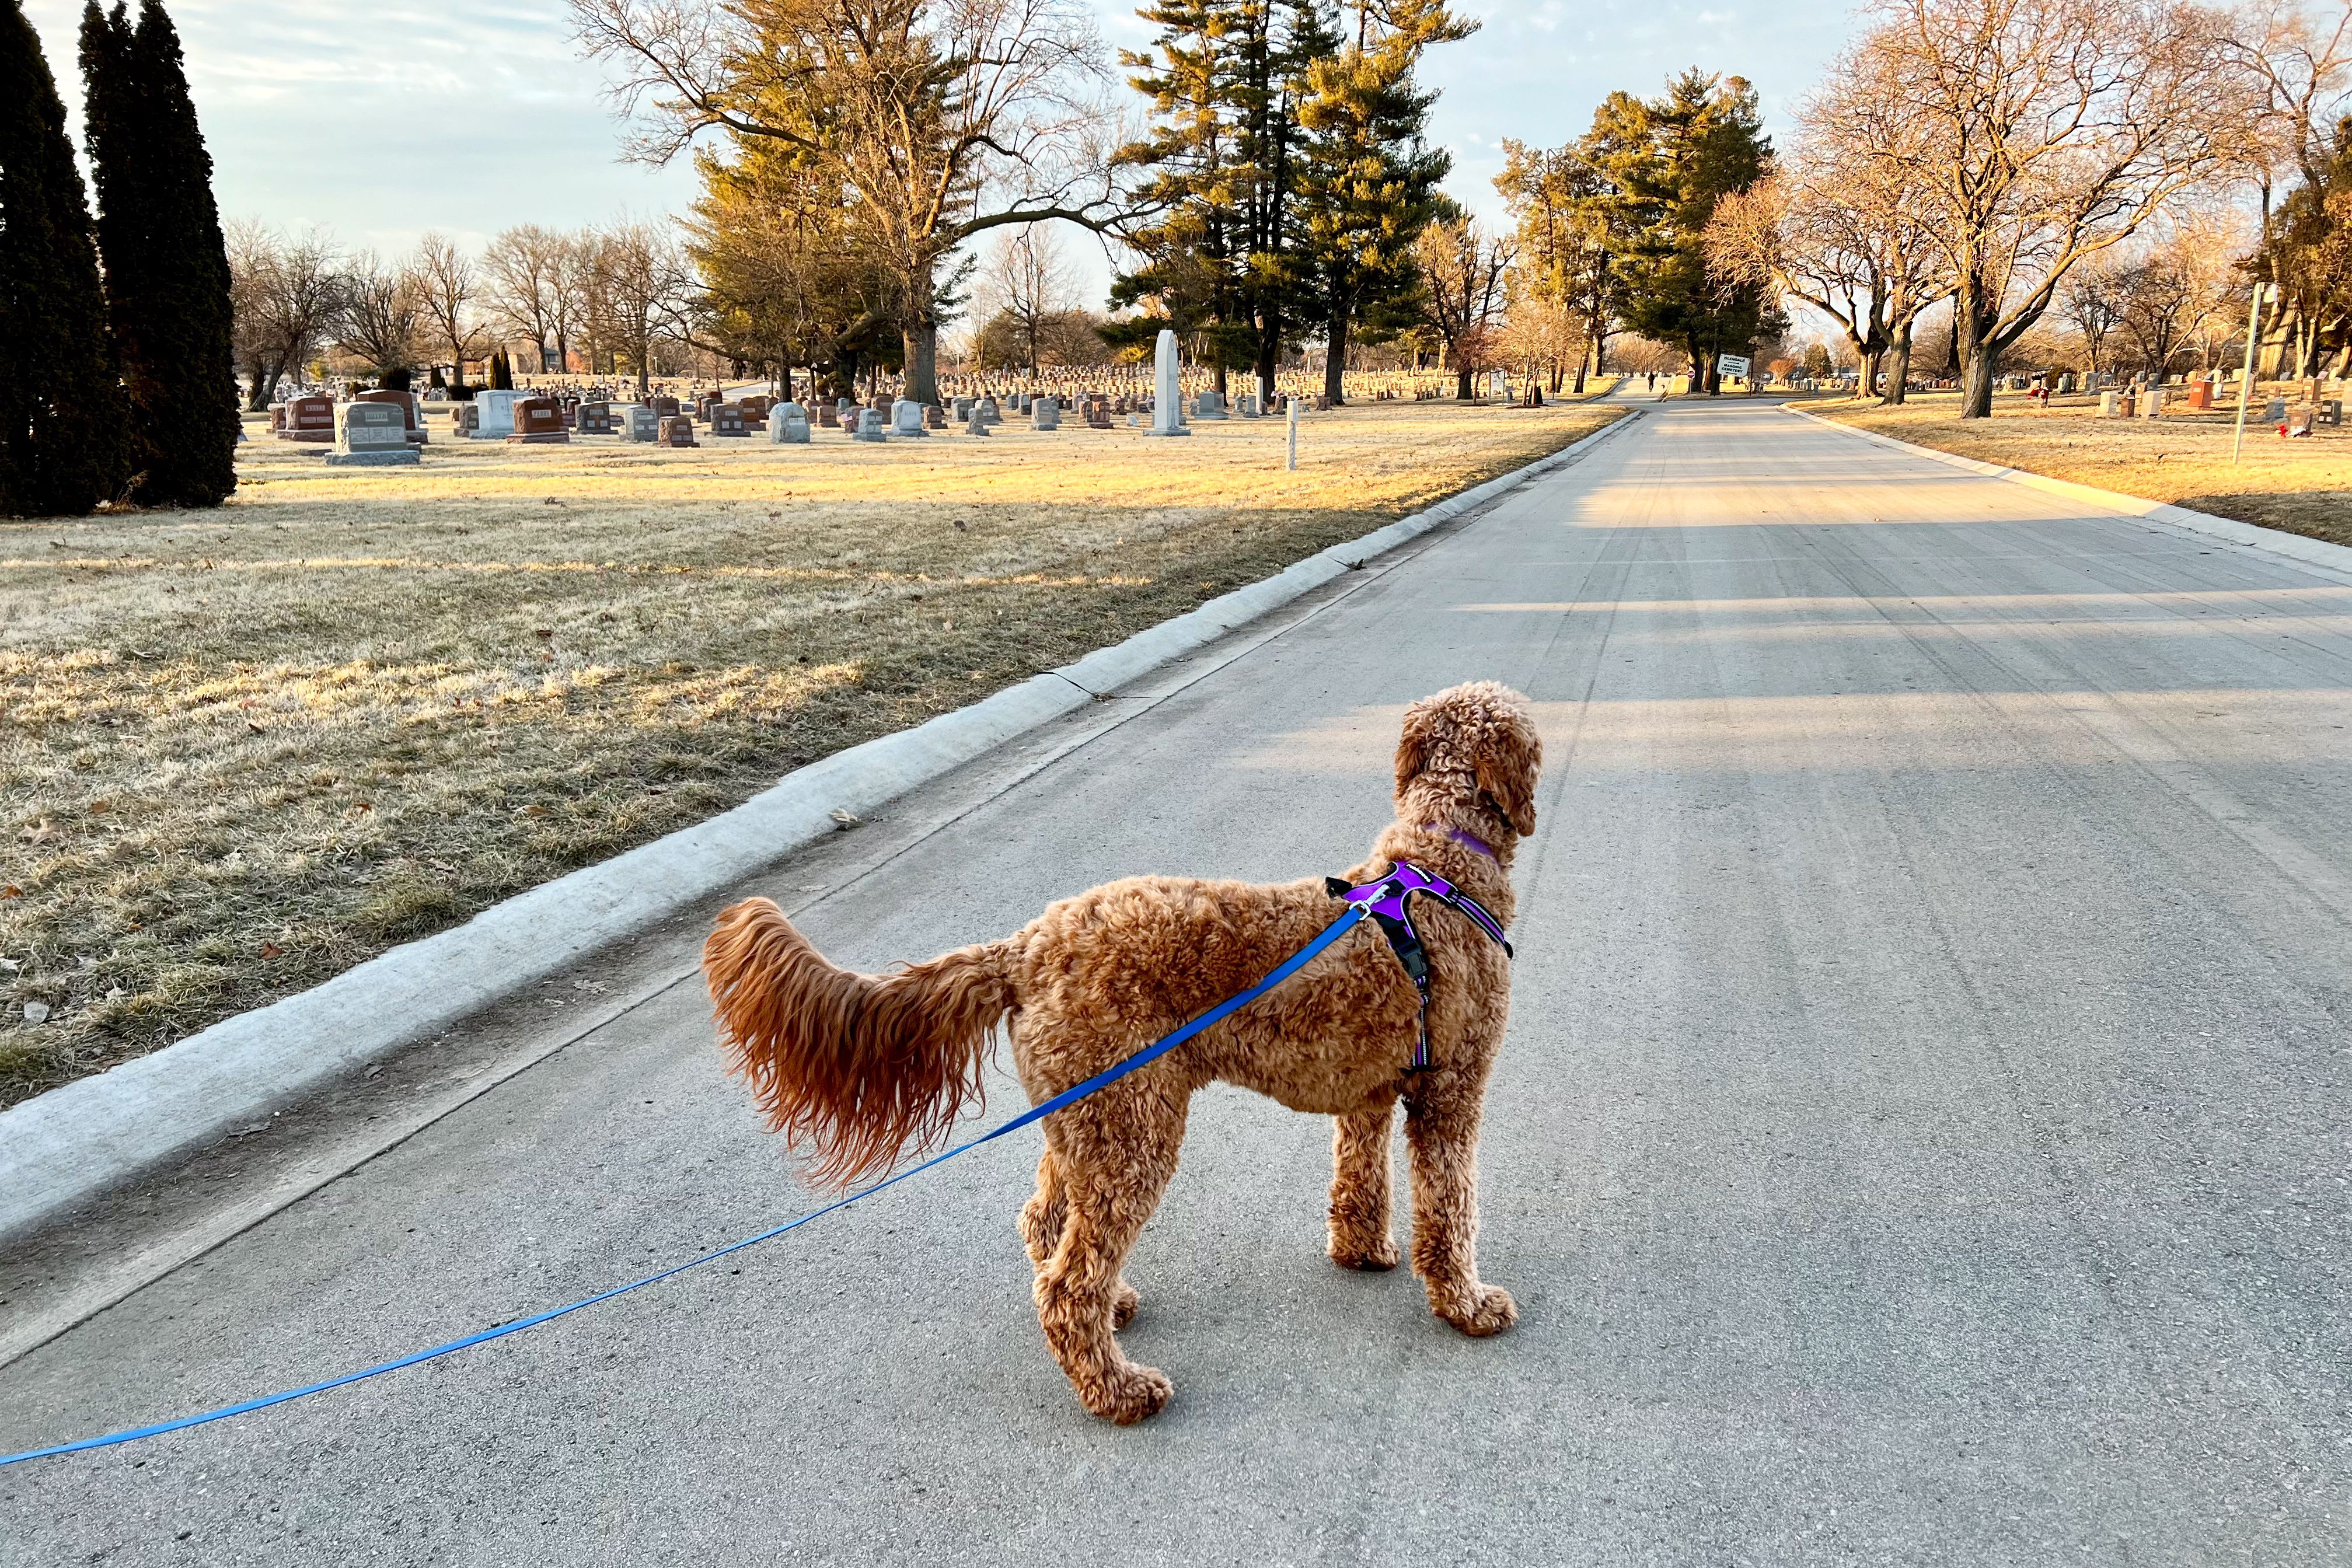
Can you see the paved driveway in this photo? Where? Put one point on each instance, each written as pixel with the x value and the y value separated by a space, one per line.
pixel 1923 1136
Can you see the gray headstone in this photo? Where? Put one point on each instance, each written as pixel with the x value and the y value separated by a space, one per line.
pixel 1209 405
pixel 645 421
pixel 870 426
pixel 371 433
pixel 1168 398
pixel 494 412
pixel 788 424
pixel 907 418
pixel 1044 413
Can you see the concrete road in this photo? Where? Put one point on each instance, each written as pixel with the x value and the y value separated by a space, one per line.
pixel 1923 1136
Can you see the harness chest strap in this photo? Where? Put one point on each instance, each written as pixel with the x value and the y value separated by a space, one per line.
pixel 1388 899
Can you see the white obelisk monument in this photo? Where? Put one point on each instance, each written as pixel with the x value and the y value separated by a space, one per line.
pixel 1168 397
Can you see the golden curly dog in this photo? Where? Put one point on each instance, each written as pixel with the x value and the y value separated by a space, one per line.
pixel 857 1069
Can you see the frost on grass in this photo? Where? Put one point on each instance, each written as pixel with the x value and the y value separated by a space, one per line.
pixel 245 749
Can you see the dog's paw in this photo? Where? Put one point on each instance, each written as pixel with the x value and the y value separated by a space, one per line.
pixel 1123 1305
pixel 1130 1394
pixel 1490 1312
pixel 1373 1259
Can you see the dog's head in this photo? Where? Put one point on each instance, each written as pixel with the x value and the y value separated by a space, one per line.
pixel 1468 752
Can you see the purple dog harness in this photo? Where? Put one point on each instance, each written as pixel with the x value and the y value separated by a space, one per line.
pixel 1388 899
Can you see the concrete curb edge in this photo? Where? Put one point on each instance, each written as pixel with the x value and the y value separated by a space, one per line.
pixel 63 1148
pixel 2334 558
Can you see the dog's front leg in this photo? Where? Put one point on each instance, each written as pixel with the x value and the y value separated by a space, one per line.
pixel 1440 1126
pixel 1360 1237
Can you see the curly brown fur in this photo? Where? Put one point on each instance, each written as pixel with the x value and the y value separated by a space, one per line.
pixel 859 1071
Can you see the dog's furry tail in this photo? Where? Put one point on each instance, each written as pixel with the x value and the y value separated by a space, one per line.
pixel 856 1071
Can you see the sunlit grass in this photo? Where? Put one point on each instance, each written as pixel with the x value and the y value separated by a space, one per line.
pixel 2303 485
pixel 244 749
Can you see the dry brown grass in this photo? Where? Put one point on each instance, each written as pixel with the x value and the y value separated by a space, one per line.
pixel 2303 485
pixel 246 749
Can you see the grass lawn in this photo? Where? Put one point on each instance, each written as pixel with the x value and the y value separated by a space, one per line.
pixel 245 749
pixel 2303 485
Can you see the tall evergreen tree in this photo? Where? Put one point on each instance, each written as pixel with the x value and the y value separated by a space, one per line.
pixel 1371 181
pixel 167 277
pixel 1668 161
pixel 1222 221
pixel 61 412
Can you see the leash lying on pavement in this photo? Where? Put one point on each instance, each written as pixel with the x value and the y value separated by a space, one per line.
pixel 1383 900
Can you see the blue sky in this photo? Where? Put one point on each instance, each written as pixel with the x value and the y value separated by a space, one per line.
pixel 382 118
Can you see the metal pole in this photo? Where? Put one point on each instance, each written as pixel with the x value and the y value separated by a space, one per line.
pixel 2246 380
pixel 1292 408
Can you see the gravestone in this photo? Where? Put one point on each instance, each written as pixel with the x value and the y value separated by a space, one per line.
pixel 2200 395
pixel 642 423
pixel 405 403
pixel 787 425
pixel 371 434
pixel 2107 405
pixel 494 414
pixel 1044 413
pixel 596 419
pixel 1209 405
pixel 676 430
pixel 1098 414
pixel 1247 405
pixel 846 413
pixel 963 408
pixel 985 409
pixel 934 417
pixel 664 406
pixel 2274 411
pixel 756 407
pixel 827 417
pixel 2297 422
pixel 907 418
pixel 2331 412
pixel 278 420
pixel 726 419
pixel 2151 403
pixel 975 425
pixel 870 426
pixel 310 419
pixel 1168 404
pixel 537 422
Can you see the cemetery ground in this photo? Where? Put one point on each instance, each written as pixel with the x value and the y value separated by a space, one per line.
pixel 247 749
pixel 2301 485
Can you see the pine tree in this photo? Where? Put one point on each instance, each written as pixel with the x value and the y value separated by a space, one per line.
pixel 1371 182
pixel 61 413
pixel 167 278
pixel 1224 77
pixel 1669 161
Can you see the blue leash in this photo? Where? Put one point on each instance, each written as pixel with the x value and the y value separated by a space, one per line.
pixel 1068 1097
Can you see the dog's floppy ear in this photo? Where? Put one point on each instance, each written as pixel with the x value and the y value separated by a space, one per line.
pixel 1509 759
pixel 1412 745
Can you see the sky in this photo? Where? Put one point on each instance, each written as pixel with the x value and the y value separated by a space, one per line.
pixel 380 120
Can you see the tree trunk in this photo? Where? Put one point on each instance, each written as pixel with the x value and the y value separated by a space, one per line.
pixel 1898 365
pixel 1977 352
pixel 1335 356
pixel 921 338
pixel 1461 384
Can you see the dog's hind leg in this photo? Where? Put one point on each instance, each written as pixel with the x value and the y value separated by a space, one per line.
pixel 1114 1163
pixel 1440 1126
pixel 1041 1215
pixel 1042 1218
pixel 1360 1237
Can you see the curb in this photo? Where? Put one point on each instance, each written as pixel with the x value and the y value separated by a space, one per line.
pixel 2332 558
pixel 63 1148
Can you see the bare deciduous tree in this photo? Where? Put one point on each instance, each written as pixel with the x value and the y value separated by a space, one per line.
pixel 639 290
pixel 449 287
pixel 940 119
pixel 285 292
pixel 2044 131
pixel 379 314
pixel 1027 284
pixel 1463 273
pixel 522 280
